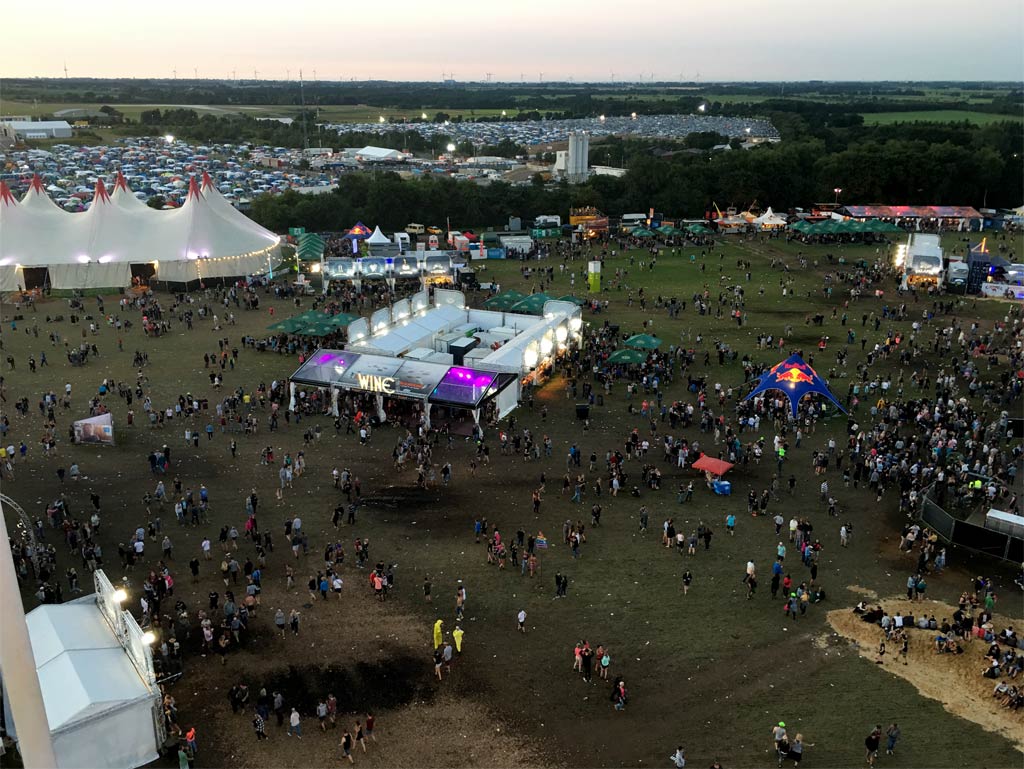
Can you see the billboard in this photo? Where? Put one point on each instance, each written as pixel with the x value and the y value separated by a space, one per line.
pixel 97 429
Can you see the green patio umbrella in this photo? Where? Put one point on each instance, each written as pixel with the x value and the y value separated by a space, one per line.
pixel 627 356
pixel 342 319
pixel 318 329
pixel 504 300
pixel 642 232
pixel 312 316
pixel 532 305
pixel 288 325
pixel 643 342
pixel 698 229
pixel 800 226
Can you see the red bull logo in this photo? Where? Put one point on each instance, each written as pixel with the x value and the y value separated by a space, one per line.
pixel 793 376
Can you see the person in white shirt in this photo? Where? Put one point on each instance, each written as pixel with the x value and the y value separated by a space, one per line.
pixel 521 617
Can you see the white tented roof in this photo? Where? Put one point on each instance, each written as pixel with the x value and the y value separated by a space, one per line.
pixel 378 153
pixel 205 237
pixel 770 218
pixel 378 238
pixel 83 671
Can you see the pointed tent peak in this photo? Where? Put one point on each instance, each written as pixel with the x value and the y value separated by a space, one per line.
pixel 193 189
pixel 207 181
pixel 359 230
pixel 120 183
pixel 378 237
pixel 6 196
pixel 37 184
pixel 101 195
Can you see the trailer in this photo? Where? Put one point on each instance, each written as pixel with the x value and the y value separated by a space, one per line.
pixel 922 262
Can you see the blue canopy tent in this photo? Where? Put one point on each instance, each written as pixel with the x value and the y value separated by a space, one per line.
pixel 796 379
pixel 359 232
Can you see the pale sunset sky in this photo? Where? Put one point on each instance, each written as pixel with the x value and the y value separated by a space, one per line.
pixel 519 39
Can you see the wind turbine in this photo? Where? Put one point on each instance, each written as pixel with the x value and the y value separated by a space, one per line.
pixel 175 73
pixel 195 72
pixel 65 70
pixel 488 76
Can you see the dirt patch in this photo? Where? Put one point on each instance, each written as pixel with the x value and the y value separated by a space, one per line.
pixel 449 731
pixel 863 591
pixel 955 681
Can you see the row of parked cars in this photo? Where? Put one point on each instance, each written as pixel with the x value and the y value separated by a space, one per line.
pixel 153 167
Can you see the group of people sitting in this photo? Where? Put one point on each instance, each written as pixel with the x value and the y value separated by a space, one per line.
pixel 1004 658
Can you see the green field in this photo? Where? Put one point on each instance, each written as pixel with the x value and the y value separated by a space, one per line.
pixel 939 116
pixel 336 113
pixel 711 670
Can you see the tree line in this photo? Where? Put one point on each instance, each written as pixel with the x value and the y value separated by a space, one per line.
pixel 955 165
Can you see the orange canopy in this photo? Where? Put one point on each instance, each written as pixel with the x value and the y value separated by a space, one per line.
pixel 712 465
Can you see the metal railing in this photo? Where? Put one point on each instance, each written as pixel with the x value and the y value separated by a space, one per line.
pixel 971 536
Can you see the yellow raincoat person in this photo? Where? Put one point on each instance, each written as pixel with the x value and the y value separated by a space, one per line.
pixel 457 635
pixel 437 632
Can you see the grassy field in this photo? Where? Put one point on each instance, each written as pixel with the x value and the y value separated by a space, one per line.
pixel 710 670
pixel 939 116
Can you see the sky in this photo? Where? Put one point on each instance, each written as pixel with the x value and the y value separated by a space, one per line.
pixel 522 40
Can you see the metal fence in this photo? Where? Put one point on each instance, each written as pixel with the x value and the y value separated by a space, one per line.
pixel 969 535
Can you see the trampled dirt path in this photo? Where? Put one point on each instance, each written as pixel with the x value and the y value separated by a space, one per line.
pixel 955 681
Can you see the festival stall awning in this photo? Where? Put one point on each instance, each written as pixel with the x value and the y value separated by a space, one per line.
pixel 436 383
pixel 712 465
pixel 913 212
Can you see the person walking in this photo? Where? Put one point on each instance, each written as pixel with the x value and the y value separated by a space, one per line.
pixel 619 695
pixel 359 737
pixel 346 747
pixel 892 736
pixel 295 724
pixel 279 621
pixel 871 745
pixel 259 727
pixel 521 619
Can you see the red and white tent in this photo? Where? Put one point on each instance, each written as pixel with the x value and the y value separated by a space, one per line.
pixel 204 238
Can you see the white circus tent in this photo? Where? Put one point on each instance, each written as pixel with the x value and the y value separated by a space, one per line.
pixel 770 220
pixel 205 238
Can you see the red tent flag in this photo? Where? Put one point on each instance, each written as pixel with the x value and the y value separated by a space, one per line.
pixel 712 465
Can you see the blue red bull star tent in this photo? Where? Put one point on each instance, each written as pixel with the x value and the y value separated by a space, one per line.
pixel 796 379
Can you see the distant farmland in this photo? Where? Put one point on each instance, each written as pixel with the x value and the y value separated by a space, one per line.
pixel 935 116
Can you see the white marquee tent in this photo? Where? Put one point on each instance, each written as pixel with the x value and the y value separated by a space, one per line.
pixel 205 238
pixel 770 220
pixel 101 712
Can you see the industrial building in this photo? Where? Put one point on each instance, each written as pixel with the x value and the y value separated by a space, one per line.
pixel 572 164
pixel 35 129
